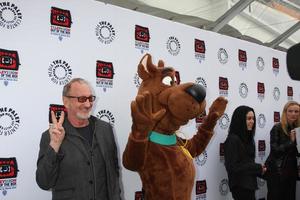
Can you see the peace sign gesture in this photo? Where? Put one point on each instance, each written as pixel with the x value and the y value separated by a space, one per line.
pixel 56 131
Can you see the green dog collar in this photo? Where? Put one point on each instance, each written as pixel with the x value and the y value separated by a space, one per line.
pixel 162 138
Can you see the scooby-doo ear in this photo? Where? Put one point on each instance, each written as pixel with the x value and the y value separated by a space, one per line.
pixel 146 67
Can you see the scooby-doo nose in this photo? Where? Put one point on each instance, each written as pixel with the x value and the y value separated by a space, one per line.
pixel 197 91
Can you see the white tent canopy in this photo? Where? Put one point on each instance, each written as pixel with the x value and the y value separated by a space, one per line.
pixel 273 23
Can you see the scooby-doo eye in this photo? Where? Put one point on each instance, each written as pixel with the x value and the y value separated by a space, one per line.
pixel 168 80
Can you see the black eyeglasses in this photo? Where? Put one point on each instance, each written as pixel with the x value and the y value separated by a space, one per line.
pixel 82 99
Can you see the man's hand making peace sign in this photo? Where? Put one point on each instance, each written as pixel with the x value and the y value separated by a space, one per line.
pixel 56 131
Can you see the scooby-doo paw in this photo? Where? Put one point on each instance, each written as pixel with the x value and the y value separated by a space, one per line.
pixel 216 110
pixel 144 119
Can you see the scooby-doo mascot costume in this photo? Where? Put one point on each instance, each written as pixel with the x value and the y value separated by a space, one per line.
pixel 162 159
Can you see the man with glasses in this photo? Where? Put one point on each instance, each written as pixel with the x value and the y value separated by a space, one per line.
pixel 78 154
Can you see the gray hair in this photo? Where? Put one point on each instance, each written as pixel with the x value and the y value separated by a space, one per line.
pixel 67 87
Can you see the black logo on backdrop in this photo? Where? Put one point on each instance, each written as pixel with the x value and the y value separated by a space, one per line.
pixel 224 121
pixel 276 93
pixel 60 72
pixel 223 86
pixel 8 174
pixel 260 91
pixel 104 74
pixel 201 81
pixel 9 65
pixel 275 64
pixel 276 117
pixel 261 120
pixel 243 90
pixel 200 49
pixel 290 93
pixel 137 80
pixel 242 59
pixel 142 38
pixel 260 63
pixel 173 46
pixel 223 56
pixel 224 187
pixel 105 32
pixel 9 121
pixel 10 15
pixel 61 21
pixel 201 159
pixel 107 116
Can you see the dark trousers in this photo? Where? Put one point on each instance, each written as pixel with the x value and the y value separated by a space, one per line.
pixel 239 193
pixel 280 188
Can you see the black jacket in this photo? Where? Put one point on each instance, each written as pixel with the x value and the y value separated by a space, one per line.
pixel 240 165
pixel 283 153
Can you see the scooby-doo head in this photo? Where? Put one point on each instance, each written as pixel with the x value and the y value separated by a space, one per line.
pixel 181 101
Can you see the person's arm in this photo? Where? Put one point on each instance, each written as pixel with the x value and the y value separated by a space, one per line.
pixel 47 164
pixel 233 162
pixel 276 146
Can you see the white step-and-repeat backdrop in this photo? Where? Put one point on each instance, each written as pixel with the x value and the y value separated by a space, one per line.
pixel 43 44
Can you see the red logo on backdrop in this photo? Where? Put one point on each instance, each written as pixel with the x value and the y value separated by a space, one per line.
pixel 57 109
pixel 142 33
pixel 260 88
pixel 199 46
pixel 139 195
pixel 60 17
pixel 223 83
pixel 177 75
pixel 242 56
pixel 276 117
pixel 261 145
pixel 222 151
pixel 8 168
pixel 275 63
pixel 9 60
pixel 201 187
pixel 104 70
pixel 290 92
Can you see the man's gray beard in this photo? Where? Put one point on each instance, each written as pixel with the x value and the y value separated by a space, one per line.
pixel 80 116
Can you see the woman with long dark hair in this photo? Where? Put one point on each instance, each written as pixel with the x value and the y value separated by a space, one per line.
pixel 240 154
pixel 282 161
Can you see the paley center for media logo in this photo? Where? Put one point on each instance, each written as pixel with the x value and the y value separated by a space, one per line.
pixel 173 46
pixel 222 56
pixel 61 21
pixel 142 38
pixel 9 66
pixel 9 121
pixel 10 15
pixel 201 159
pixel 107 116
pixel 105 32
pixel 8 174
pixel 260 63
pixel 60 72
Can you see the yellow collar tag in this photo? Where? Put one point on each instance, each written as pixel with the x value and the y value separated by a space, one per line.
pixel 186 152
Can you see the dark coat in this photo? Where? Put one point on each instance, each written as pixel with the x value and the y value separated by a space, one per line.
pixel 240 165
pixel 70 173
pixel 283 153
